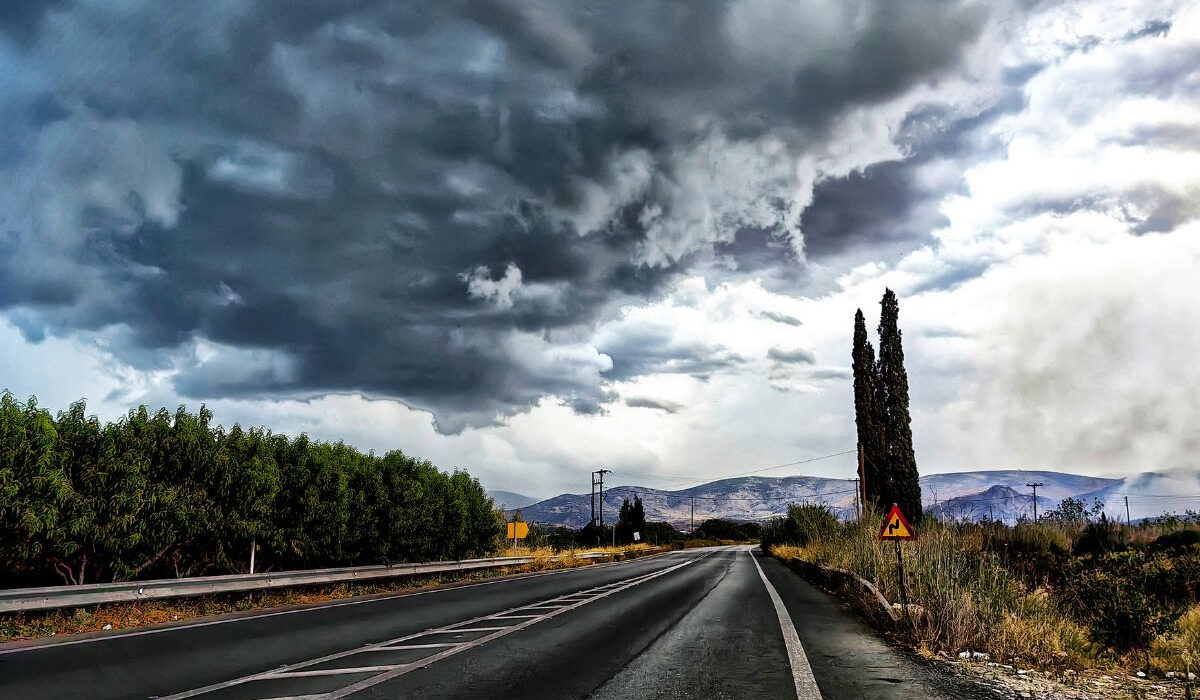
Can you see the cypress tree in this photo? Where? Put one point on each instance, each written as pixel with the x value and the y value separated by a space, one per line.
pixel 867 414
pixel 901 460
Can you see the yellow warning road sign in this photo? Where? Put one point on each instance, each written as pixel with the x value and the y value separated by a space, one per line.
pixel 896 527
pixel 518 530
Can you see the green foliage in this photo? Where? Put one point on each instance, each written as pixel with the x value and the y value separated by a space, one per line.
pixel 881 414
pixel 1073 511
pixel 631 519
pixel 802 525
pixel 162 494
pixel 869 414
pixel 901 460
pixel 662 533
pixel 1177 541
pixel 1128 598
pixel 1101 537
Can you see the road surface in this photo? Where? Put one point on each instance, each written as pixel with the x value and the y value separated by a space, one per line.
pixel 707 623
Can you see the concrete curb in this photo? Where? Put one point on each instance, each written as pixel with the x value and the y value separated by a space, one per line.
pixel 840 579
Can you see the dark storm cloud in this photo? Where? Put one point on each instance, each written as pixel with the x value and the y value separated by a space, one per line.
pixel 314 190
pixel 886 205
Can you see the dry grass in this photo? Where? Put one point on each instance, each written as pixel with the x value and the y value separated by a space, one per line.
pixel 140 614
pixel 1179 651
pixel 970 601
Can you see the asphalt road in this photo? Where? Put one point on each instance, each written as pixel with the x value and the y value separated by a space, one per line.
pixel 711 623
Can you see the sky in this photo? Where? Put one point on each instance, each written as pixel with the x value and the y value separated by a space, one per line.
pixel 534 239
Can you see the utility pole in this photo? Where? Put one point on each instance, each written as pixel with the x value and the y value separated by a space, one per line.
pixel 1034 485
pixel 593 521
pixel 601 473
pixel 862 473
pixel 1128 520
pixel 692 529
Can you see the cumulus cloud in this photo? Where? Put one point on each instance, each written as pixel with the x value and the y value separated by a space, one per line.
pixel 499 292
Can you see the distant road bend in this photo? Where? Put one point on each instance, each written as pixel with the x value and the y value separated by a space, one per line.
pixel 703 623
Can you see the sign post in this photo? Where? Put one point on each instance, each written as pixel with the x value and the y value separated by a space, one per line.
pixel 896 528
pixel 517 530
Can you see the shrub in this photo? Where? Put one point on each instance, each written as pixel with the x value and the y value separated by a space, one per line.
pixel 801 525
pixel 1176 541
pixel 1101 537
pixel 1127 598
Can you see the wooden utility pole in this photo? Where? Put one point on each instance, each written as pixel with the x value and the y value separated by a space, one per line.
pixel 1035 485
pixel 601 473
pixel 692 529
pixel 862 474
pixel 1128 520
pixel 593 520
pixel 857 503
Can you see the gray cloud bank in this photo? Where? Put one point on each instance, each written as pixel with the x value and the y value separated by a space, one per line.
pixel 438 201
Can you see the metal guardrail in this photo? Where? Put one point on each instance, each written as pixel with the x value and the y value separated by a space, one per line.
pixel 51 597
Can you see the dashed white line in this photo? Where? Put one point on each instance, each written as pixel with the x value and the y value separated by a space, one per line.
pixel 392 671
pixel 312 608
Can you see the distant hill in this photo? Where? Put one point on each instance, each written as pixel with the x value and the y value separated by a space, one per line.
pixel 1150 494
pixel 1055 485
pixel 997 502
pixel 1001 494
pixel 746 498
pixel 508 499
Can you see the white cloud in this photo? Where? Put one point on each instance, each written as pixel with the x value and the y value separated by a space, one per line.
pixel 498 293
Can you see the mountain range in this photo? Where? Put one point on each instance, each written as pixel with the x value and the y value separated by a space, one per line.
pixel 508 499
pixel 999 494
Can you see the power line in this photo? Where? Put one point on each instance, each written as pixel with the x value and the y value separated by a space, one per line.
pixel 632 489
pixel 745 473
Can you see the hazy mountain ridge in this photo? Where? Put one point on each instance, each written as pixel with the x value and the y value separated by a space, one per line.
pixel 509 499
pixel 1000 494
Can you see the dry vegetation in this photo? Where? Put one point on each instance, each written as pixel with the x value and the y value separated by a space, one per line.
pixel 980 589
pixel 116 616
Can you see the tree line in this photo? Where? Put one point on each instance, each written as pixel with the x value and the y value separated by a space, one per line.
pixel 889 465
pixel 158 494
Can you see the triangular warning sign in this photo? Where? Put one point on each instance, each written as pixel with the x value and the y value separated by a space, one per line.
pixel 896 527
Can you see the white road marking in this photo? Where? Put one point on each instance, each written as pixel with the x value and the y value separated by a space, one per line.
pixel 593 594
pixel 333 671
pixel 466 629
pixel 400 647
pixel 367 683
pixel 806 683
pixel 339 604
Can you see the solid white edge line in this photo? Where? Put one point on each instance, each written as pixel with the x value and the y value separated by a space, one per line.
pixel 339 604
pixel 806 683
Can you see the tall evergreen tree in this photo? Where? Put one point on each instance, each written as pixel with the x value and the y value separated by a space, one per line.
pixel 867 414
pixel 901 460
